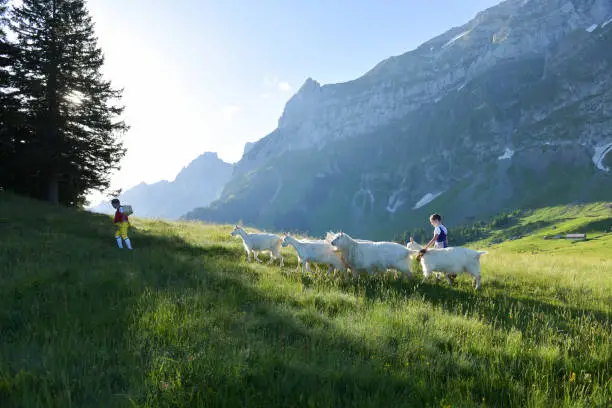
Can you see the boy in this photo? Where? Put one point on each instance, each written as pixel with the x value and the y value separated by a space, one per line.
pixel 440 239
pixel 122 222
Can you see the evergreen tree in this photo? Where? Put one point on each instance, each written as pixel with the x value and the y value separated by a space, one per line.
pixel 5 59
pixel 9 112
pixel 3 9
pixel 73 122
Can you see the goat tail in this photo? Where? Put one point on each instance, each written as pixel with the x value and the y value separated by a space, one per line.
pixel 480 253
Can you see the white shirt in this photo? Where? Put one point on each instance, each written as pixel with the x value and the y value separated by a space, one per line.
pixel 440 228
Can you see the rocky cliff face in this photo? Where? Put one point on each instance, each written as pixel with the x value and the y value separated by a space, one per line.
pixel 196 185
pixel 512 109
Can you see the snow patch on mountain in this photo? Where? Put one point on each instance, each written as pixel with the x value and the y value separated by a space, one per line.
pixel 600 154
pixel 508 153
pixel 427 198
pixel 456 38
pixel 395 201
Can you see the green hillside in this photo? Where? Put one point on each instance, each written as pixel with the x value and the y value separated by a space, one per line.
pixel 183 320
pixel 594 220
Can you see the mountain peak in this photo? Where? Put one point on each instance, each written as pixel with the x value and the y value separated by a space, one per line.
pixel 196 185
pixel 205 162
pixel 309 86
pixel 302 104
pixel 209 155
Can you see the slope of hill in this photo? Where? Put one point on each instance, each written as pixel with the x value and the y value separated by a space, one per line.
pixel 527 231
pixel 510 110
pixel 184 321
pixel 522 228
pixel 198 184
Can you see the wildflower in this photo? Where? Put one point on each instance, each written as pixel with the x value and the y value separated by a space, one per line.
pixel 572 377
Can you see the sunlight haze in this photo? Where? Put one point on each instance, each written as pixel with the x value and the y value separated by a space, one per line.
pixel 212 75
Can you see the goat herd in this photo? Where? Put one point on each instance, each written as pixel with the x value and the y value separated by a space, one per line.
pixel 342 252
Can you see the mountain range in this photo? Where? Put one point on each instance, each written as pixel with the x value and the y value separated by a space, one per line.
pixel 198 184
pixel 511 110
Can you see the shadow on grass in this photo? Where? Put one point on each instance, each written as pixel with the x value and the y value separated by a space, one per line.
pixel 105 327
pixel 173 324
pixel 492 302
pixel 604 225
pixel 295 356
pixel 259 349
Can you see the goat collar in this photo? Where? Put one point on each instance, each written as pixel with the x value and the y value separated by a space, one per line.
pixel 421 253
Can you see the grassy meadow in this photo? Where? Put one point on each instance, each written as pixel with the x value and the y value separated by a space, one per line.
pixel 185 321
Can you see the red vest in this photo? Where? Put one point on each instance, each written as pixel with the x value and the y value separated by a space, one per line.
pixel 120 217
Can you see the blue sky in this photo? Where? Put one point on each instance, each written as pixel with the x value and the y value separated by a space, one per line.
pixel 210 75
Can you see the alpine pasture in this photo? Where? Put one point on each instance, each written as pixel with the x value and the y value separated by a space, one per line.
pixel 185 321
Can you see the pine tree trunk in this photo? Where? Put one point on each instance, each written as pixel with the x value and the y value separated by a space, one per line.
pixel 53 192
pixel 52 117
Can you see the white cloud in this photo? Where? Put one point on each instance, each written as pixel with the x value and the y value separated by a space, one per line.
pixel 229 112
pixel 277 84
pixel 265 96
pixel 284 86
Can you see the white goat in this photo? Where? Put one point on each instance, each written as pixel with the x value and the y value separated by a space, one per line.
pixel 331 235
pixel 415 246
pixel 260 242
pixel 450 261
pixel 318 251
pixel 369 256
